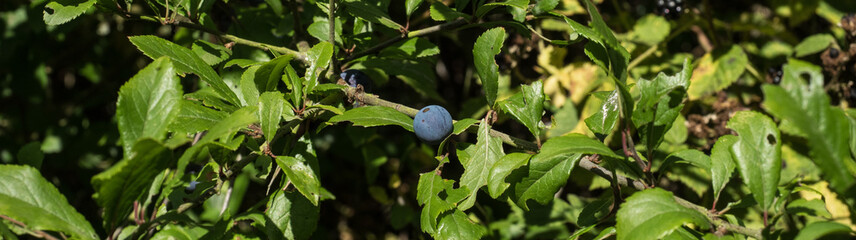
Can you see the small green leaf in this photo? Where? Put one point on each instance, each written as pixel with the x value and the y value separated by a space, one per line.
pixel 148 103
pixel 757 152
pixel 462 125
pixel 118 187
pixel 542 6
pixel 291 216
pixel 603 121
pixel 185 61
pixel 651 29
pixel 527 106
pixel 320 29
pixel 711 75
pixel 270 113
pixel 29 198
pixel 249 94
pixel 496 184
pixel 411 49
pixel 194 118
pixel 488 150
pixel 371 13
pixel 512 4
pixel 302 176
pixel 660 103
pixel 813 44
pixel 411 6
pixel 31 154
pixel 457 225
pixel 816 230
pixel 211 53
pixel 295 84
pixel 319 57
pixel 61 11
pixel 230 125
pixel 813 208
pixel 270 73
pixel 488 45
pixel 653 214
pixel 418 74
pixel 721 163
pixel 371 116
pixel 441 12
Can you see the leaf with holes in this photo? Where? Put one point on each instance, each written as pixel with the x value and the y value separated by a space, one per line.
pixel 757 152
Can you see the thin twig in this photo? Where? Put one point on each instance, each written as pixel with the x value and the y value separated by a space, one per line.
pixel 411 34
pixel 35 232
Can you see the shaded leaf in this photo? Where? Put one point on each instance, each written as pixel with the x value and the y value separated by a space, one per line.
pixel 411 5
pixel 194 117
pixel 210 53
pixel 441 12
pixel 496 184
pixel 270 113
pixel 813 44
pixel 31 154
pixel 816 230
pixel 292 215
pixel 651 29
pixel 660 103
pixel 127 181
pixel 371 13
pixel 319 57
pixel 29 198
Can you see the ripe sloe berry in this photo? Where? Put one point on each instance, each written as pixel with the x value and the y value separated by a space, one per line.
pixel 670 8
pixel 775 74
pixel 432 124
pixel 354 77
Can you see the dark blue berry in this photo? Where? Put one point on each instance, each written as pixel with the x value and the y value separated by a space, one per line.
pixel 432 124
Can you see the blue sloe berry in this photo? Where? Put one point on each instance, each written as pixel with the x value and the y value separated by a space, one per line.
pixel 354 77
pixel 432 124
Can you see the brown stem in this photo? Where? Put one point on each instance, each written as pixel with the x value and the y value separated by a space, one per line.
pixel 35 232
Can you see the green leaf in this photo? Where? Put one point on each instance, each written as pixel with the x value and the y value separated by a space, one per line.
pixel 210 98
pixel 249 93
pixel 711 76
pixel 411 6
pixel 757 152
pixel 550 168
pixel 371 13
pixel 302 176
pixel 690 156
pixel 603 121
pixel 488 45
pixel 542 6
pixel 270 73
pixel 178 232
pixel 513 4
pixel 185 61
pixel 816 230
pixel 118 187
pixel 660 103
pixel 806 108
pixel 320 29
pixel 619 57
pixel 411 49
pixel 496 184
pixel 419 75
pixel 230 125
pixel 371 116
pixel 319 57
pixel 653 214
pixel 462 125
pixel 270 113
pixel 457 225
pixel 275 5
pixel 488 150
pixel 31 154
pixel 813 44
pixel 295 84
pixel 527 106
pixel 148 103
pixel 291 216
pixel 651 29
pixel 428 194
pixel 61 11
pixel 721 164
pixel 813 208
pixel 211 53
pixel 441 12
pixel 194 118
pixel 29 198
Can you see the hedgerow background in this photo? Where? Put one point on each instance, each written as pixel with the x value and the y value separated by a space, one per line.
pixel 223 119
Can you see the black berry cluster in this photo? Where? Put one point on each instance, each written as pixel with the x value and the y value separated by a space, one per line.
pixel 774 75
pixel 670 8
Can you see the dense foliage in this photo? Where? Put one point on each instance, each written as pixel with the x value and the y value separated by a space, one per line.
pixel 298 119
